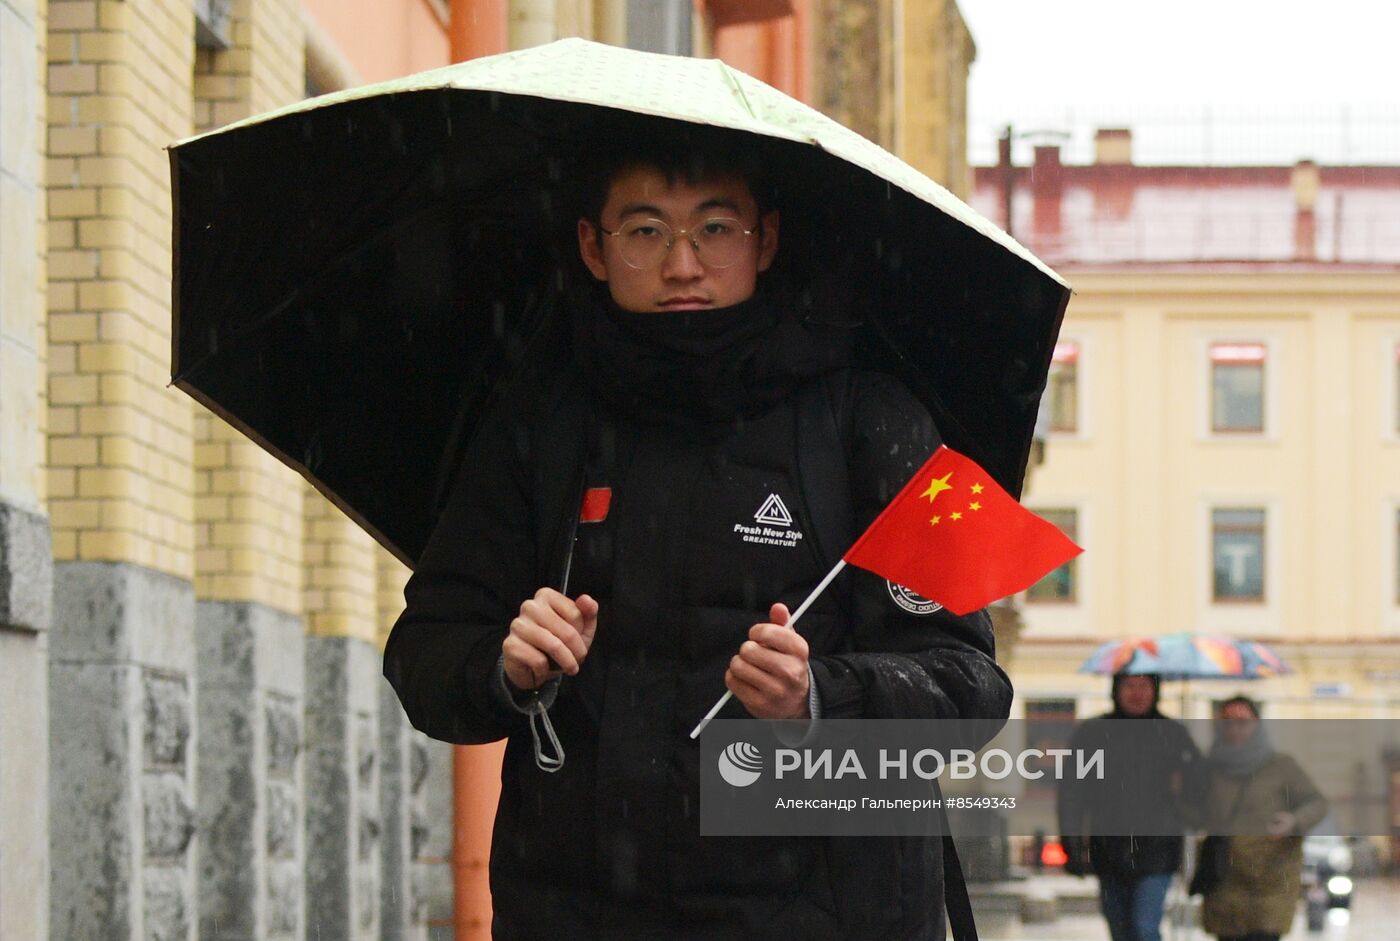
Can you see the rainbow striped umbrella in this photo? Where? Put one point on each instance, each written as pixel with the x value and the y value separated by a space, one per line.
pixel 1188 656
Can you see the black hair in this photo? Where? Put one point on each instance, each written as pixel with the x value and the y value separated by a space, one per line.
pixel 1240 700
pixel 690 153
pixel 1119 677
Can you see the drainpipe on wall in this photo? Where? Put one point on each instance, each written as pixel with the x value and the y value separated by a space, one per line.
pixel 477 28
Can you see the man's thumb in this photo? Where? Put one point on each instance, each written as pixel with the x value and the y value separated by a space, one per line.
pixel 778 614
pixel 588 607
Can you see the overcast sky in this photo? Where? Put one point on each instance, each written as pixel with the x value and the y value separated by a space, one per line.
pixel 1224 81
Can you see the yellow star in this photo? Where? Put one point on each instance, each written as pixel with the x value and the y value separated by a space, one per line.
pixel 976 488
pixel 974 505
pixel 956 516
pixel 937 486
pixel 934 521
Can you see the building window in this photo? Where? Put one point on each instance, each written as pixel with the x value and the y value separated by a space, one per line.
pixel 1049 724
pixel 1395 394
pixel 1237 553
pixel 1061 585
pixel 1062 388
pixel 1237 387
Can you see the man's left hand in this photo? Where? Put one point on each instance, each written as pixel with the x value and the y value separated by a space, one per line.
pixel 769 674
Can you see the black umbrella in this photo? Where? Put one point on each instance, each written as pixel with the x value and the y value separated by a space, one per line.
pixel 356 274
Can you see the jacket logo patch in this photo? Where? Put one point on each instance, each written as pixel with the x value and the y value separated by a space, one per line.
pixel 906 599
pixel 772 525
pixel 774 512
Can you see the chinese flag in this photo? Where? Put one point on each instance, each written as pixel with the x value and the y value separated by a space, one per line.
pixel 955 537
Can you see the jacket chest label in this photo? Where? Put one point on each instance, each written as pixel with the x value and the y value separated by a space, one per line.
pixel 772 525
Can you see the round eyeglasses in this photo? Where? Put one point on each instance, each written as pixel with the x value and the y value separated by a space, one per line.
pixel 718 242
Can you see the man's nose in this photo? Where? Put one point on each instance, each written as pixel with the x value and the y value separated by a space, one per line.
pixel 681 263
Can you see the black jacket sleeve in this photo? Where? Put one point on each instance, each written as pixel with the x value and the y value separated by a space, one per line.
pixel 901 665
pixel 479 565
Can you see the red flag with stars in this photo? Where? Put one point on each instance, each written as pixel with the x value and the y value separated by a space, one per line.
pixel 955 537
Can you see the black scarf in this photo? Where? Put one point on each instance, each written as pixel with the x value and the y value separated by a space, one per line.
pixel 700 371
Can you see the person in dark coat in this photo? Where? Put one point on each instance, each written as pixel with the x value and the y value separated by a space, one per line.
pixel 594 584
pixel 1128 827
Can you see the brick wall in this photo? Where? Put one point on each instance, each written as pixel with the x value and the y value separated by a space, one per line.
pixel 341 597
pixel 393 575
pixel 120 480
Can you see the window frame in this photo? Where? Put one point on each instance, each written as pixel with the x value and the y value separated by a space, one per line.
pixel 1213 364
pixel 1263 598
pixel 1390 369
pixel 1078 358
pixel 1076 581
pixel 1205 338
pixel 1390 571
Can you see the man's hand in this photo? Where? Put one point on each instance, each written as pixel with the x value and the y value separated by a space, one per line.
pixel 769 674
pixel 551 636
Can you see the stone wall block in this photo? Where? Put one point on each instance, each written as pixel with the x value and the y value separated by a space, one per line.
pixel 166 909
pixel 250 733
pixel 283 900
pixel 169 818
pixel 167 726
pixel 26 568
pixel 281 820
pixel 343 823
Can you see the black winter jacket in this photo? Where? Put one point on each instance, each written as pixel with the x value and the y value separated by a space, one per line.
pixel 1130 822
pixel 609 845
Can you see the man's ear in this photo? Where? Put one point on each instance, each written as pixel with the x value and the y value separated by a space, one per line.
pixel 590 249
pixel 768 242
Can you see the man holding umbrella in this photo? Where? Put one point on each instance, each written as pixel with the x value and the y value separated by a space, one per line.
pixel 669 424
pixel 1127 828
pixel 585 456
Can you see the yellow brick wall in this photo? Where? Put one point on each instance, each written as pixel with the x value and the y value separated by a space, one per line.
pixel 119 469
pixel 393 575
pixel 264 68
pixel 341 596
pixel 248 505
pixel 248 520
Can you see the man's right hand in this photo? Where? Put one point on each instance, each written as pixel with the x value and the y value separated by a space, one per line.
pixel 551 636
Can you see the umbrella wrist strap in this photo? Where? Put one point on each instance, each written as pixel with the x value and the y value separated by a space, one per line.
pixel 539 716
pixel 535 705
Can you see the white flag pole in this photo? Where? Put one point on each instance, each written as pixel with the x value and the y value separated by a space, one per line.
pixel 792 621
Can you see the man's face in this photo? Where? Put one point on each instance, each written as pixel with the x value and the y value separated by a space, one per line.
pixel 1136 695
pixel 680 280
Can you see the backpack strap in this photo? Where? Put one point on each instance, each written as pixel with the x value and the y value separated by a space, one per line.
pixel 823 440
pixel 955 898
pixel 823 473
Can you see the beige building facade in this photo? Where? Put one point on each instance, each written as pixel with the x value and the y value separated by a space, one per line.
pixel 1150 482
pixel 1222 421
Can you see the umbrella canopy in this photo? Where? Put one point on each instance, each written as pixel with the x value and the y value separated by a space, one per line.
pixel 1187 656
pixel 356 273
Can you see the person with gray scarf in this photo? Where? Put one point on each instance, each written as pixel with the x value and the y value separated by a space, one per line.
pixel 1262 802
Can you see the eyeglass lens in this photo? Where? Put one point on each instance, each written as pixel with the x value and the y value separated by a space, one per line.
pixel 718 242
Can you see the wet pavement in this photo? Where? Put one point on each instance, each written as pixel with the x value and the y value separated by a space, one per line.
pixel 1375 916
